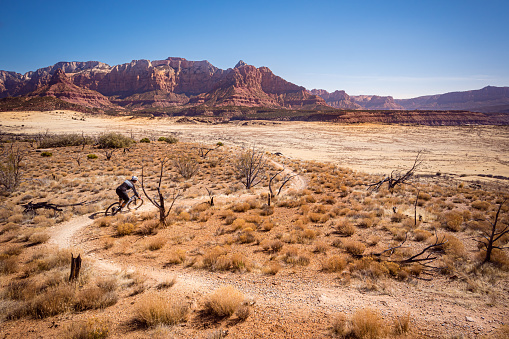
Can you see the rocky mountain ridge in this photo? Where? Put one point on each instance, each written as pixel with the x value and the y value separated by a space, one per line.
pixel 161 83
pixel 180 86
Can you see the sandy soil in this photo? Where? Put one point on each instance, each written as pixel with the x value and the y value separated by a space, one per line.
pixel 465 151
pixel 300 303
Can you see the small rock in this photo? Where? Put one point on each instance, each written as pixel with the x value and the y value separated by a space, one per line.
pixel 469 319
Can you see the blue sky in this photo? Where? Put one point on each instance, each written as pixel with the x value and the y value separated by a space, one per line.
pixel 400 48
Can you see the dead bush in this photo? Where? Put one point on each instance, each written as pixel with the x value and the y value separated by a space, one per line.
pixel 354 247
pixel 95 328
pixel 154 309
pixel 224 301
pixel 480 205
pixel 367 323
pixel 125 228
pixel 271 268
pixel 345 228
pixel 335 263
pixel 452 220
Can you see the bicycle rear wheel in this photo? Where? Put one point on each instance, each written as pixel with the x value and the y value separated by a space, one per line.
pixel 134 204
pixel 112 209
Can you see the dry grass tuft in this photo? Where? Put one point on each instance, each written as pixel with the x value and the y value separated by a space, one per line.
pixel 335 263
pixel 154 309
pixel 92 328
pixel 354 247
pixel 224 301
pixel 367 323
pixel 125 229
pixel 402 324
pixel 155 244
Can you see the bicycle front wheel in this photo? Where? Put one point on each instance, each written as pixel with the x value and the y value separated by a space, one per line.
pixel 112 209
pixel 134 204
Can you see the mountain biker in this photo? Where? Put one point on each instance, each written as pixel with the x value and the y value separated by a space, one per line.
pixel 121 190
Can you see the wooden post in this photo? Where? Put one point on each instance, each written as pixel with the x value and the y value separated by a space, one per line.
pixel 75 267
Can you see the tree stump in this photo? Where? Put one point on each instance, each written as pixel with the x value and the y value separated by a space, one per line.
pixel 75 267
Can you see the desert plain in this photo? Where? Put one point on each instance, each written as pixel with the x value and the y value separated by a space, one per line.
pixel 301 266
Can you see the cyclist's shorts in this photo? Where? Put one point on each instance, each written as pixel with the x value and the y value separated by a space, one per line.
pixel 122 195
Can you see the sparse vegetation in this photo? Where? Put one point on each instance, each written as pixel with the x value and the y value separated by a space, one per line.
pixel 331 232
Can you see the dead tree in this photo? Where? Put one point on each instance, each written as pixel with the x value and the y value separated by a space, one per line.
pixel 159 199
pixel 427 255
pixel 287 177
pixel 494 234
pixel 11 165
pixel 396 177
pixel 250 167
pixel 204 151
pixel 109 153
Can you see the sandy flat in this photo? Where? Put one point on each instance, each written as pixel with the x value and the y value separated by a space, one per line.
pixel 462 151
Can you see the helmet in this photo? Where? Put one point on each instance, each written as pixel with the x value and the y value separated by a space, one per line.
pixel 134 178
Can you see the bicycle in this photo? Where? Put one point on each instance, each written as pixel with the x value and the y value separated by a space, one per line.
pixel 133 204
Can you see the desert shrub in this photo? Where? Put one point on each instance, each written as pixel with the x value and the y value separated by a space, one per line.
pixel 125 228
pixel 366 222
pixel 243 312
pixel 92 328
pixel 153 310
pixel 145 141
pixel 272 246
pixel 38 238
pixel 335 263
pixel 271 268
pixel 224 301
pixel 176 256
pixel 321 247
pixel 424 196
pixel 8 265
pixel 241 207
pixel 46 154
pixel 402 324
pixel 292 257
pixel 114 140
pixel 155 244
pixel 353 247
pixel 421 235
pixel 367 323
pixel 186 165
pixel 480 205
pixel 64 140
pixel 451 220
pixel 397 217
pixel 48 260
pixel 266 225
pixel 171 139
pixel 346 228
pixel 53 301
pixel 453 246
pixel 363 324
pixel 341 326
pixel 93 297
pixel 92 156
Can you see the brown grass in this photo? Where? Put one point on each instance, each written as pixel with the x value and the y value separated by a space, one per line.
pixel 154 309
pixel 335 263
pixel 224 301
pixel 92 328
